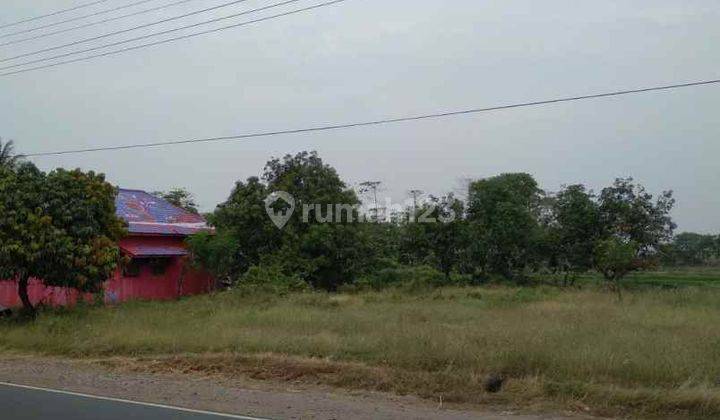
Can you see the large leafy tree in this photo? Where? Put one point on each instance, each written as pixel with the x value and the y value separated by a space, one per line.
pixel 326 253
pixel 244 232
pixel 310 182
pixel 447 232
pixel 504 211
pixel 574 230
pixel 332 255
pixel 633 223
pixel 628 212
pixel 59 228
pixel 437 234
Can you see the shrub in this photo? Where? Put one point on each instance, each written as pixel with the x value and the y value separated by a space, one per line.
pixel 271 278
pixel 410 278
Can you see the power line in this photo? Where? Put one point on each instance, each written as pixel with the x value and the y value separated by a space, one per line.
pixel 95 38
pixel 50 25
pixel 53 13
pixel 379 122
pixel 99 22
pixel 136 47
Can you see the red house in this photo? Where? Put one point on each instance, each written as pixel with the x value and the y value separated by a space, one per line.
pixel 158 267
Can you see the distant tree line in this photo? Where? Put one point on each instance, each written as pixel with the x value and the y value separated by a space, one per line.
pixel 508 227
pixel 692 249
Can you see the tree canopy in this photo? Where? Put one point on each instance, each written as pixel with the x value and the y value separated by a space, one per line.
pixel 325 254
pixel 509 227
pixel 573 230
pixel 504 210
pixel 59 228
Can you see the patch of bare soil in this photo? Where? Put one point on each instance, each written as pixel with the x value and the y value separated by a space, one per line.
pixel 265 386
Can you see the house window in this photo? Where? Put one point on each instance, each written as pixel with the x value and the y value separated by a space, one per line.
pixel 159 266
pixel 132 268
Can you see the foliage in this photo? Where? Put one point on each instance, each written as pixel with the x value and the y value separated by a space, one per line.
pixel 409 278
pixel 325 255
pixel 59 227
pixel 243 227
pixel 653 356
pixel 504 210
pixel 631 222
pixel 508 228
pixel 573 231
pixel 334 254
pixel 436 234
pixel 271 278
pixel 179 197
pixel 692 249
pixel 627 211
pixel 218 253
pixel 615 258
pixel 8 158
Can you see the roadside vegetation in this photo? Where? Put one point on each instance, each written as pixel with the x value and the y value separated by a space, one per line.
pixel 656 353
pixel 511 296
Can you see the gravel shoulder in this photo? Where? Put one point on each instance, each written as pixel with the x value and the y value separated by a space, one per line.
pixel 267 399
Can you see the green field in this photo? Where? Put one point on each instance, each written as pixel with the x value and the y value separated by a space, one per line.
pixel 667 278
pixel 655 353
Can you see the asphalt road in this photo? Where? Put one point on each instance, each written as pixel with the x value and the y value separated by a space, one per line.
pixel 18 402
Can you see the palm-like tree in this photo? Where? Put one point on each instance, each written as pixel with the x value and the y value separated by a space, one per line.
pixel 8 158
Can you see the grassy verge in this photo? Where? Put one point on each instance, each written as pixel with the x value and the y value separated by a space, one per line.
pixel 656 353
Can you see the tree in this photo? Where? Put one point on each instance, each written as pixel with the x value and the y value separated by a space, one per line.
pixel 8 158
pixel 690 248
pixel 333 255
pixel 59 228
pixel 414 243
pixel 320 242
pixel 244 232
pixel 446 232
pixel 615 258
pixel 627 211
pixel 631 221
pixel 179 197
pixel 574 230
pixel 504 211
pixel 313 183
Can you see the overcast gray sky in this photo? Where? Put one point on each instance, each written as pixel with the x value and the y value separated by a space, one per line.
pixel 367 59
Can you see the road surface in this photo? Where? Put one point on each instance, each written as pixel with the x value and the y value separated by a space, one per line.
pixel 58 389
pixel 19 402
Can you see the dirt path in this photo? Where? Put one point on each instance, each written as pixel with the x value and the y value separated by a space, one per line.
pixel 239 396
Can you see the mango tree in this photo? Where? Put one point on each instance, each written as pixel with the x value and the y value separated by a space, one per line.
pixel 59 228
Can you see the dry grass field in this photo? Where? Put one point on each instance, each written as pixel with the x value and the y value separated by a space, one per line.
pixel 655 353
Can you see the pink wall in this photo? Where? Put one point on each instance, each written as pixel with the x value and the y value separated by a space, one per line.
pixel 179 279
pixel 56 296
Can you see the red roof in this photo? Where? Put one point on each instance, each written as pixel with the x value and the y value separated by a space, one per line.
pixel 147 214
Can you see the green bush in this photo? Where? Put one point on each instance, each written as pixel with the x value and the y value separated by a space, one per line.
pixel 409 278
pixel 271 278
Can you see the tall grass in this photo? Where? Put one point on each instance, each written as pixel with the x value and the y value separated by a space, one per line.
pixel 656 352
